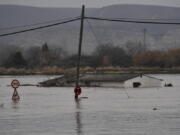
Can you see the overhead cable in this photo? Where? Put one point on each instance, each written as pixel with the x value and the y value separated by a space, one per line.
pixel 132 21
pixel 92 18
pixel 40 27
pixel 34 24
pixel 152 19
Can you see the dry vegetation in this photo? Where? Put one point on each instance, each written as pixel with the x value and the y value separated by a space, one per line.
pixel 54 70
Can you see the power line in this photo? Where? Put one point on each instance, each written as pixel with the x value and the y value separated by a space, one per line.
pixel 94 34
pixel 128 19
pixel 92 18
pixel 34 24
pixel 41 27
pixel 152 19
pixel 132 21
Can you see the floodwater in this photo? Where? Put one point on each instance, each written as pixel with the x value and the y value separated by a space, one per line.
pixel 106 111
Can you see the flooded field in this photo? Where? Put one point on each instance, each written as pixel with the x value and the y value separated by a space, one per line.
pixel 106 111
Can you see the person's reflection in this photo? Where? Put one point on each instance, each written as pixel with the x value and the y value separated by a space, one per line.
pixel 79 125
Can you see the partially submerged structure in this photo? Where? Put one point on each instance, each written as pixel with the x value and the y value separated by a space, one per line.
pixel 105 80
pixel 143 81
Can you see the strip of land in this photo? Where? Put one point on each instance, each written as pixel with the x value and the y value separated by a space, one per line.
pixel 112 70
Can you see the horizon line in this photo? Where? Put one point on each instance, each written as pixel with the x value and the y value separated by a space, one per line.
pixel 34 6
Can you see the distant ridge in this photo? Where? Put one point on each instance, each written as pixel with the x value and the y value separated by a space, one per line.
pixel 158 36
pixel 145 5
pixel 13 15
pixel 16 14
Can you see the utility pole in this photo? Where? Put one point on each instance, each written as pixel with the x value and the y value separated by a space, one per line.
pixel 144 37
pixel 77 89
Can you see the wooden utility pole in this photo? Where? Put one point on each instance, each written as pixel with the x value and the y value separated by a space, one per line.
pixel 80 44
pixel 77 89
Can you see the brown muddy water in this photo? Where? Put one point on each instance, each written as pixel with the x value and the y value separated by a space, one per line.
pixel 106 111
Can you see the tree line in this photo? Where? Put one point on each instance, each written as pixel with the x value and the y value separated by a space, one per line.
pixel 103 55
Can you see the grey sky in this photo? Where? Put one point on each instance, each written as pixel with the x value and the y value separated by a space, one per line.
pixel 88 3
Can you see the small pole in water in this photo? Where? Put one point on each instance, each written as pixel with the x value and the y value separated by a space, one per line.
pixel 79 54
pixel 15 96
pixel 15 84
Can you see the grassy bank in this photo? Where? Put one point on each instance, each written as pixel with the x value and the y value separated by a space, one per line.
pixel 113 70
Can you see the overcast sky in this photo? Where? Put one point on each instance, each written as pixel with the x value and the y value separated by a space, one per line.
pixel 88 3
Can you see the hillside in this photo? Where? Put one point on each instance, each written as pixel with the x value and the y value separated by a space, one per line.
pixel 96 32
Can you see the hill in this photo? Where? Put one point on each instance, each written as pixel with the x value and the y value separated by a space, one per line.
pixel 96 32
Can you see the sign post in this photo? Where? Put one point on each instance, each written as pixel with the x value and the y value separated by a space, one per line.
pixel 15 84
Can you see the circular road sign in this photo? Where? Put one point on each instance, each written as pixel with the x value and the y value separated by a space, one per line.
pixel 15 84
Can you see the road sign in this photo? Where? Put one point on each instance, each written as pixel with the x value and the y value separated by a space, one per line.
pixel 15 84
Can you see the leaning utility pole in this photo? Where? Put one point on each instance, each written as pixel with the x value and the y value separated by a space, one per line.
pixel 77 88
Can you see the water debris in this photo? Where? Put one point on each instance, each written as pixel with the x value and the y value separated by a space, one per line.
pixel 26 85
pixel 1 105
pixel 168 85
pixel 84 97
pixel 154 109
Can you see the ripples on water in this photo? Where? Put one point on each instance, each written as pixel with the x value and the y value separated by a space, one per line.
pixel 106 111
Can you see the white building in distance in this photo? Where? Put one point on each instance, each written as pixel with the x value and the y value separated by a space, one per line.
pixel 143 81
